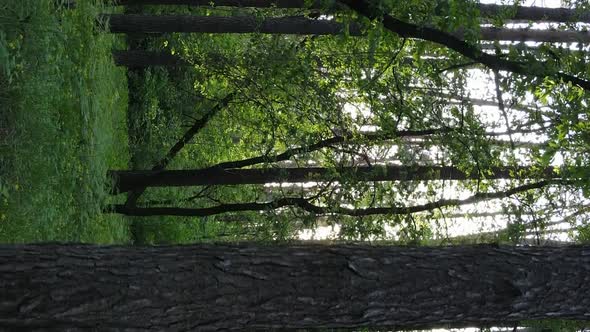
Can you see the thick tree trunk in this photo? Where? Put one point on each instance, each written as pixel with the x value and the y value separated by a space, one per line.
pixel 130 180
pixel 299 25
pixel 521 12
pixel 247 287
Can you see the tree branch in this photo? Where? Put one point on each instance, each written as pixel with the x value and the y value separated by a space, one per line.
pixel 287 154
pixel 133 196
pixel 309 207
pixel 409 30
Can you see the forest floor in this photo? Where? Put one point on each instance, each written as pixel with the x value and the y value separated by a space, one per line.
pixel 63 107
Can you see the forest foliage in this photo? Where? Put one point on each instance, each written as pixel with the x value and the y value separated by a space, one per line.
pixel 63 123
pixel 333 101
pixel 295 92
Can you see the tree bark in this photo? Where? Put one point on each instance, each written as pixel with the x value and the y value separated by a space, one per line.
pixel 544 36
pixel 536 13
pixel 146 58
pixel 248 287
pixel 304 26
pixel 299 25
pixel 125 180
pixel 486 10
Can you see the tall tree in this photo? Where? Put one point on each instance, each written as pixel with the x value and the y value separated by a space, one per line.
pixel 306 205
pixel 120 23
pixel 299 25
pixel 130 180
pixel 245 287
pixel 531 13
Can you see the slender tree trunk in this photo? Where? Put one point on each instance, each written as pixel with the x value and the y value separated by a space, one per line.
pixel 536 13
pixel 298 25
pixel 486 10
pixel 146 58
pixel 228 3
pixel 143 58
pixel 306 204
pixel 248 287
pixel 548 36
pixel 129 180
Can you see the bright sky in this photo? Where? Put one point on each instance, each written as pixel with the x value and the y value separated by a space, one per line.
pixel 481 85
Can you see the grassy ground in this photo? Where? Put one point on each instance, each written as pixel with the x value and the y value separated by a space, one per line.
pixel 62 123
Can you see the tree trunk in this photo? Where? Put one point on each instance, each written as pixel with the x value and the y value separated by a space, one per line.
pixel 248 287
pixel 317 4
pixel 299 25
pixel 536 13
pixel 486 10
pixel 130 180
pixel 545 36
pixel 143 58
pixel 306 204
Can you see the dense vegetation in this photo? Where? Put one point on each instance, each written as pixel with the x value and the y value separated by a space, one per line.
pixel 403 122
pixel 338 102
pixel 63 123
pixel 342 101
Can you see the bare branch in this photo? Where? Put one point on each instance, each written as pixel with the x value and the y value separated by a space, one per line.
pixel 304 204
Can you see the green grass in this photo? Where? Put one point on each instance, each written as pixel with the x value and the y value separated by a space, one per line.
pixel 62 123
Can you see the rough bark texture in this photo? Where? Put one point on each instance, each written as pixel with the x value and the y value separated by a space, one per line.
pixel 239 287
pixel 298 25
pixel 129 180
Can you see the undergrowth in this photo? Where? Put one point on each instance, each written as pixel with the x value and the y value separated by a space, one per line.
pixel 62 123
